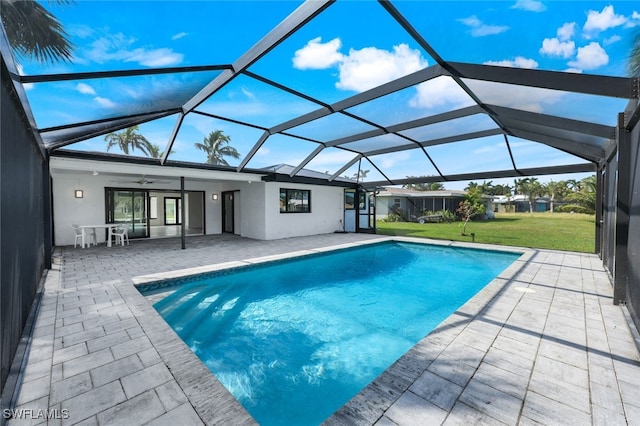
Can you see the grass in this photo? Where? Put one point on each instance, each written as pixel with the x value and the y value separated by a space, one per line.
pixel 557 231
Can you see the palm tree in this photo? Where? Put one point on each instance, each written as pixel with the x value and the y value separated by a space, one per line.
pixel 555 189
pixel 529 187
pixel 129 138
pixel 586 197
pixel 154 151
pixel 483 188
pixel 432 186
pixel 361 175
pixel 34 32
pixel 216 146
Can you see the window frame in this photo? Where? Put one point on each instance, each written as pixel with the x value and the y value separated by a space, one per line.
pixel 287 197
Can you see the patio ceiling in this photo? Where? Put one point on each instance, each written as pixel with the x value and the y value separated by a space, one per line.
pixel 480 108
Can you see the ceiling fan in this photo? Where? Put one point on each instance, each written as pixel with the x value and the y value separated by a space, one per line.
pixel 142 181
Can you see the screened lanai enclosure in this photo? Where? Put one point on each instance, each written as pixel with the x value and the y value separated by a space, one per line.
pixel 408 97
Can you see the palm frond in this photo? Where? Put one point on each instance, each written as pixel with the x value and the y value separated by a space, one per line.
pixel 634 58
pixel 34 32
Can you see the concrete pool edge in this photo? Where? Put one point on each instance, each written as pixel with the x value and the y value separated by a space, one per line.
pixel 213 402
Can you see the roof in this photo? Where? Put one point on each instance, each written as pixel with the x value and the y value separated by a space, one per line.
pixel 402 192
pixel 489 115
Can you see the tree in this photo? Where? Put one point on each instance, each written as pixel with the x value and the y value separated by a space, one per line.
pixel 471 207
pixel 431 186
pixel 360 175
pixel 129 139
pixel 586 196
pixel 154 151
pixel 531 188
pixel 555 189
pixel 483 188
pixel 500 190
pixel 217 146
pixel 34 32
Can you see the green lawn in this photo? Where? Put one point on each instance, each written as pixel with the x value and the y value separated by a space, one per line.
pixel 559 231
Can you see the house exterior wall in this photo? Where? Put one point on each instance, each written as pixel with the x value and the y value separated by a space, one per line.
pixel 256 215
pixel 327 211
pixel 90 209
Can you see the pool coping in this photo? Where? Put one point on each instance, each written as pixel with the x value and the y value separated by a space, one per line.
pixel 216 405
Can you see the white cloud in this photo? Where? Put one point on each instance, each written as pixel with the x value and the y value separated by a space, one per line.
pixel 440 91
pixel 394 158
pixel 634 20
pixel 118 47
pixel 530 5
pixel 263 151
pixel 249 94
pixel 362 69
pixel 328 159
pixel 480 29
pixel 496 149
pixel 80 30
pixel 555 47
pixel 154 58
pixel 600 21
pixel 590 57
pixel 318 55
pixel 521 97
pixel 179 36
pixel 611 40
pixel 518 62
pixel 85 89
pixel 566 31
pixel 369 67
pixel 104 102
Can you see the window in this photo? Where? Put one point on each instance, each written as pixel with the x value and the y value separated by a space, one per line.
pixel 295 201
pixel 349 199
pixel 153 207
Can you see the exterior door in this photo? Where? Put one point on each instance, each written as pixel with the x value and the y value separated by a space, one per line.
pixel 228 223
pixel 349 210
pixel 129 207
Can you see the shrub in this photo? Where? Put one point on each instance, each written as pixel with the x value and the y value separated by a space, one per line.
pixel 572 208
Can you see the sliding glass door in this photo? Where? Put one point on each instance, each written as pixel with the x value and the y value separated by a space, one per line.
pixel 130 207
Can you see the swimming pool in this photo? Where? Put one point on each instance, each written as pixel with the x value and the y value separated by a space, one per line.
pixel 293 341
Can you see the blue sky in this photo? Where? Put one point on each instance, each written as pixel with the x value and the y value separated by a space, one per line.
pixel 351 47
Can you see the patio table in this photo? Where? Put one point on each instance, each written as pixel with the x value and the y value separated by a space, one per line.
pixel 109 226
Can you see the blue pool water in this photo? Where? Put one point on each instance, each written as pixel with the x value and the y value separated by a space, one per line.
pixel 293 341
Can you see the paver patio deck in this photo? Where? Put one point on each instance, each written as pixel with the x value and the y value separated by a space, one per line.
pixel 541 344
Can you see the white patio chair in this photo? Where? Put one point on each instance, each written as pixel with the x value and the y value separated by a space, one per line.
pixel 90 234
pixel 121 234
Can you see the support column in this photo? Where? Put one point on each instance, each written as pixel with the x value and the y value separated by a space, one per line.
pixel 621 273
pixel 47 213
pixel 182 211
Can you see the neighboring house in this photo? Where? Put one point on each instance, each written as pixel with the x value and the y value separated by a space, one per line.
pixel 519 204
pixel 414 203
pixel 256 205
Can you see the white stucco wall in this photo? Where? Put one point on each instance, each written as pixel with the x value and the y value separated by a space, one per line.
pixel 327 212
pixel 257 204
pixel 90 209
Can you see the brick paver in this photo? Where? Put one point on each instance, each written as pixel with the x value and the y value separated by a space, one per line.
pixel 542 344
